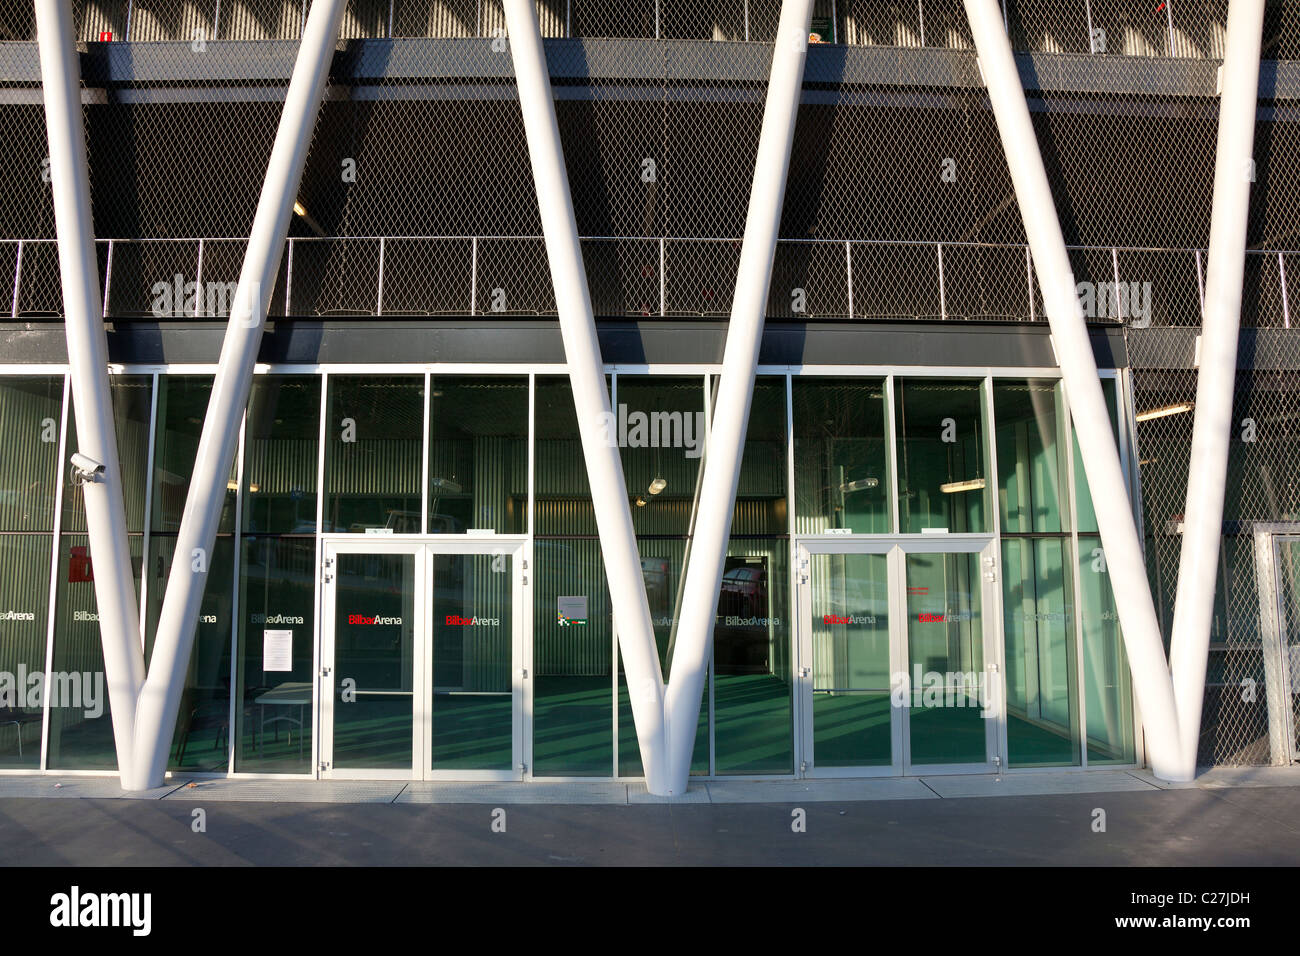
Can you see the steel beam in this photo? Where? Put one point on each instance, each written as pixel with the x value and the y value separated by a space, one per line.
pixel 1115 521
pixel 115 597
pixel 1207 474
pixel 609 495
pixel 161 695
pixel 726 445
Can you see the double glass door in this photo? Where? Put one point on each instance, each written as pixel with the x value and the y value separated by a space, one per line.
pixel 418 673
pixel 898 671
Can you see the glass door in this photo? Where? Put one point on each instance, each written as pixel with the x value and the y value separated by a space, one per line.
pixel 371 655
pixel 899 672
pixel 419 676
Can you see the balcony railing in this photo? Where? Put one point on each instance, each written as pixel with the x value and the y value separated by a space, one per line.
pixel 494 276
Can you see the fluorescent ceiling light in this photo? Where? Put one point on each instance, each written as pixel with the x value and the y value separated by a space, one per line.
pixel 952 487
pixel 1165 412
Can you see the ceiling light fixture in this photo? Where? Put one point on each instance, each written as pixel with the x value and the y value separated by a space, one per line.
pixel 952 487
pixel 1165 412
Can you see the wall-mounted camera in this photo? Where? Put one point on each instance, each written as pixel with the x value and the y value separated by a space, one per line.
pixel 85 469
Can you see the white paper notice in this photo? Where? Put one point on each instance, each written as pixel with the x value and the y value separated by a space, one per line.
pixel 277 650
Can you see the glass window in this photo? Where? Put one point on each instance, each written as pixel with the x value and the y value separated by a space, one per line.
pixel 1032 467
pixel 761 502
pixel 1082 493
pixel 201 739
pixel 277 583
pixel 941 471
pixel 282 439
pixel 132 397
pixel 30 419
pixel 753 692
pixel 1107 683
pixel 841 455
pixel 24 603
pixel 374 432
pixel 81 725
pixel 573 720
pixel 182 407
pixel 661 428
pixel 478 454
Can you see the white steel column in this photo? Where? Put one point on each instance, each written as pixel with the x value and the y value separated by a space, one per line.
pixel 1215 382
pixel 726 445
pixel 161 694
pixel 1115 521
pixel 87 345
pixel 609 495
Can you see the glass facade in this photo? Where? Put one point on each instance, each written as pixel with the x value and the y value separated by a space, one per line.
pixel 460 456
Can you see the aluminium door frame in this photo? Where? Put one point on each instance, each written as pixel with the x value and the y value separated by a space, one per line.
pixel 425 548
pixel 897 548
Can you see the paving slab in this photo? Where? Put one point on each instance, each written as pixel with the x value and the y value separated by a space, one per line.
pixel 291 791
pixel 695 793
pixel 1034 784
pixel 37 785
pixel 534 792
pixel 797 791
pixel 1249 777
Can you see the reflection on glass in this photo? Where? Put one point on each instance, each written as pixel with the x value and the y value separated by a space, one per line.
pixel 1082 493
pixel 30 417
pixel 1107 683
pixel 282 436
pixel 478 454
pixel 132 400
pixel 941 474
pixel 81 725
pixel 573 718
pixel 761 490
pixel 841 455
pixel 851 675
pixel 374 648
pixel 201 739
pixel 945 646
pixel 753 729
pixel 1038 627
pixel 660 427
pixel 374 432
pixel 1032 467
pixel 473 703
pixel 182 406
pixel 277 581
pixel 24 595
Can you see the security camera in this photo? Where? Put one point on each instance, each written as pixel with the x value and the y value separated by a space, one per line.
pixel 84 469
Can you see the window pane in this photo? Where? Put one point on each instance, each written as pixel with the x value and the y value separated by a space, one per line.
pixel 660 430
pixel 841 455
pixel 182 406
pixel 24 600
pixel 851 676
pixel 280 455
pixel 202 736
pixel 81 726
pixel 753 696
pixel 1038 615
pixel 573 719
pixel 941 476
pixel 132 401
pixel 1032 468
pixel 1082 493
pixel 30 418
pixel 478 454
pixel 1107 683
pixel 761 492
pixel 277 580
pixel 374 439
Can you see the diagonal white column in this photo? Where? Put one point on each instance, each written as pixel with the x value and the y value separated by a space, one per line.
pixel 161 695
pixel 1234 171
pixel 1115 522
pixel 609 496
pixel 115 598
pixel 735 392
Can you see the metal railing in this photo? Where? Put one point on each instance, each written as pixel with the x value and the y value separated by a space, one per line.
pixel 430 276
pixel 1179 28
